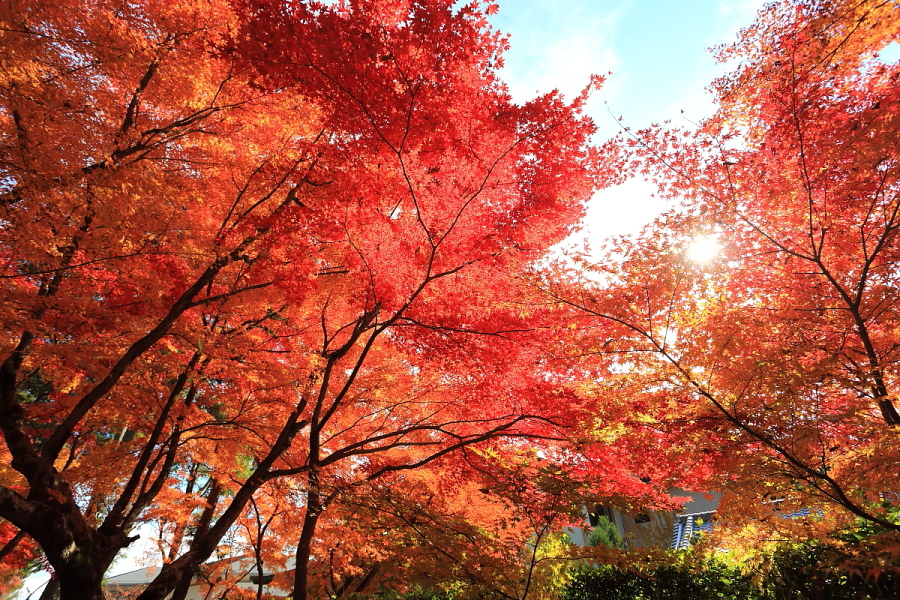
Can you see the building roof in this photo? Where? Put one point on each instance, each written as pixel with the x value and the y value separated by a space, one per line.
pixel 688 528
pixel 136 577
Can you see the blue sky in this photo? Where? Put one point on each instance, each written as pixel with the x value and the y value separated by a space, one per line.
pixel 657 53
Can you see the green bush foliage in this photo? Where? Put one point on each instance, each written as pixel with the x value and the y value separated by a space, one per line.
pixel 715 582
pixel 803 571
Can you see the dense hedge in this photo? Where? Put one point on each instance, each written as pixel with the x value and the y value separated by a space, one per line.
pixel 801 572
pixel 664 583
pixel 792 573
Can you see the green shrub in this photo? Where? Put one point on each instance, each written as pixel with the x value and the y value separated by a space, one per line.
pixel 792 572
pixel 802 572
pixel 716 582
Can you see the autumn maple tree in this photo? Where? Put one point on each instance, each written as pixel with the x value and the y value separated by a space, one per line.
pixel 256 255
pixel 772 367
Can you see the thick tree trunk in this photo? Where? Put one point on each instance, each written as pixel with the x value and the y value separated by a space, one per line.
pixel 79 555
pixel 78 593
pixel 304 545
pixel 183 586
pixel 80 573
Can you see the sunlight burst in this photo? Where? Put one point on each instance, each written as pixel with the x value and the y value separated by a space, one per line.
pixel 704 248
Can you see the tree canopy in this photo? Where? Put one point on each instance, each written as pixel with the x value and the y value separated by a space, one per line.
pixel 773 365
pixel 278 278
pixel 258 248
